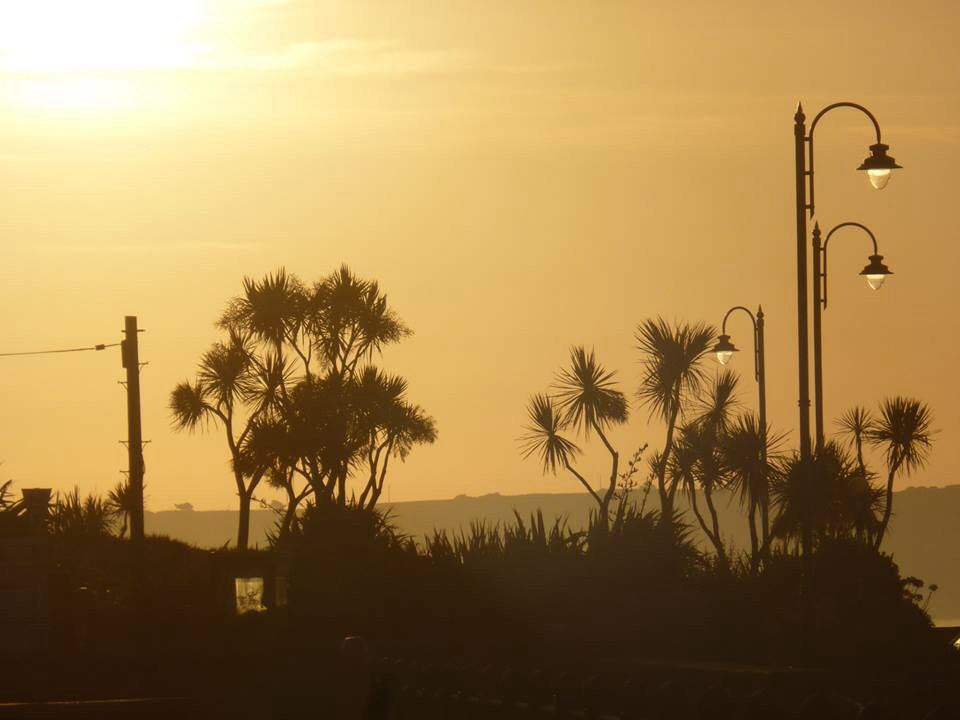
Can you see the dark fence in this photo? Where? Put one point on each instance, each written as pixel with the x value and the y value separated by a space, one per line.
pixel 407 690
pixel 351 689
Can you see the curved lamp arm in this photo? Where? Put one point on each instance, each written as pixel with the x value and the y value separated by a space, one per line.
pixel 756 345
pixel 826 240
pixel 809 139
pixel 834 106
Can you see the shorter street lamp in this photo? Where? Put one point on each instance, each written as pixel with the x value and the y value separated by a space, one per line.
pixel 725 349
pixel 875 273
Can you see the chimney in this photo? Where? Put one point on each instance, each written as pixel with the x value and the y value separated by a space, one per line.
pixel 36 501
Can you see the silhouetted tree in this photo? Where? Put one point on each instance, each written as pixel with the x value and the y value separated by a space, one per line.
pixel 590 402
pixel 122 503
pixel 13 520
pixel 6 495
pixel 309 424
pixel 238 392
pixel 904 432
pixel 389 425
pixel 829 492
pixel 73 516
pixel 586 401
pixel 673 375
pixel 855 425
pixel 750 455
pixel 693 467
pixel 544 439
pixel 863 504
pixel 697 464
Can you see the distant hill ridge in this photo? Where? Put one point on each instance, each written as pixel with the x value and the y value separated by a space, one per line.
pixel 924 533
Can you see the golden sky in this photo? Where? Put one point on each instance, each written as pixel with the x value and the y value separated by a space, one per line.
pixel 520 176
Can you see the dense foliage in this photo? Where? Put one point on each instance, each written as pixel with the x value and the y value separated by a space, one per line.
pixel 791 503
pixel 636 586
pixel 294 391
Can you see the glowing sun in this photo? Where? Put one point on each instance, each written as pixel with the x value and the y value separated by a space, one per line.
pixel 72 53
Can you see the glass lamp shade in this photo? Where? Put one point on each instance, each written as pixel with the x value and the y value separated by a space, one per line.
pixel 875 281
pixel 879 178
pixel 876 272
pixel 724 349
pixel 879 165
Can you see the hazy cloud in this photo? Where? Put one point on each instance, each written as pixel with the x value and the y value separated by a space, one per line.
pixel 339 56
pixel 156 248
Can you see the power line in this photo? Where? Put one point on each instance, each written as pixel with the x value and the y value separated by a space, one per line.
pixel 100 346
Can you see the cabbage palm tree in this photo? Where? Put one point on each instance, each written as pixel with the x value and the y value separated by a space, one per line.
pixel 309 418
pixel 866 499
pixel 590 402
pixel 693 467
pixel 855 425
pixel 233 391
pixel 827 493
pixel 391 426
pixel 673 375
pixel 863 504
pixel 325 432
pixel 795 488
pixel 121 503
pixel 750 455
pixel 904 432
pixel 73 516
pixel 696 463
pixel 272 311
pixel 349 321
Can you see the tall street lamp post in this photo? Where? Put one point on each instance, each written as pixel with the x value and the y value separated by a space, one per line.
pixel 878 166
pixel 875 273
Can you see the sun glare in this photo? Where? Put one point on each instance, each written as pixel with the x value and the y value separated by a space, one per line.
pixel 56 36
pixel 67 53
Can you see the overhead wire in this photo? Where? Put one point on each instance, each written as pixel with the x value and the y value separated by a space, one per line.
pixel 97 347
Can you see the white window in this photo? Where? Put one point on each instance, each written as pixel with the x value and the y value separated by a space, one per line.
pixel 249 592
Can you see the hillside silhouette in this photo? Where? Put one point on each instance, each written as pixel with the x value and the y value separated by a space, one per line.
pixel 923 539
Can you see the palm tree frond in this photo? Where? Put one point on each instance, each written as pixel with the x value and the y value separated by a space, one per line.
pixel 587 395
pixel 543 436
pixel 672 361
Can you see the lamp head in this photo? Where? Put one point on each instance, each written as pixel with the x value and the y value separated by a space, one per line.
pixel 876 272
pixel 878 166
pixel 724 349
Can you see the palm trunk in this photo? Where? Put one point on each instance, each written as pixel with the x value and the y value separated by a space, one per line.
pixel 718 542
pixel 243 531
pixel 293 501
pixel 888 508
pixel 714 540
pixel 765 519
pixel 378 490
pixel 614 467
pixel 287 520
pixel 666 498
pixel 369 490
pixel 583 481
pixel 754 543
pixel 342 488
pixel 245 492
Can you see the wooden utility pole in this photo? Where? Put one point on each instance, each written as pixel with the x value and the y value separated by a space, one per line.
pixel 131 363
